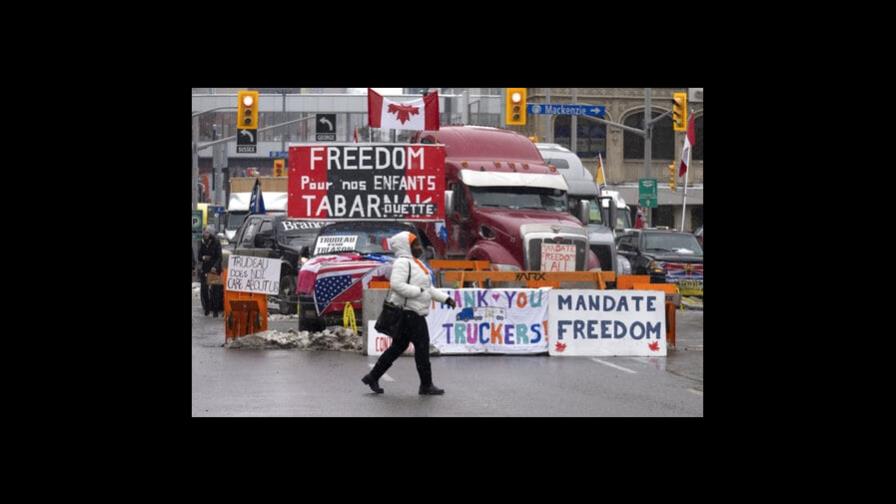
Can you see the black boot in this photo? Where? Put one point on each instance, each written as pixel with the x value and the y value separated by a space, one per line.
pixel 373 383
pixel 430 390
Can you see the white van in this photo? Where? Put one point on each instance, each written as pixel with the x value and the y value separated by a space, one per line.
pixel 238 209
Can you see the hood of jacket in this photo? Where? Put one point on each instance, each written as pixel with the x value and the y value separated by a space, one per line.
pixel 400 244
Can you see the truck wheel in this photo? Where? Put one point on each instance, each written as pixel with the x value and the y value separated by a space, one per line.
pixel 287 291
pixel 310 325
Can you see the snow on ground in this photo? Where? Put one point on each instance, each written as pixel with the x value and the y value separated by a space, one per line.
pixel 332 338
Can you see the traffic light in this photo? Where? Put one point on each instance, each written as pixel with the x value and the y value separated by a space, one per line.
pixel 278 167
pixel 672 177
pixel 680 111
pixel 515 106
pixel 247 110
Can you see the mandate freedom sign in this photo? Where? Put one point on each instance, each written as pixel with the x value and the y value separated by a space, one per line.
pixel 349 181
pixel 253 274
pixel 605 323
pixel 510 321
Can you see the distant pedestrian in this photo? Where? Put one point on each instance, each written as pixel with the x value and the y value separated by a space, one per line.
pixel 210 261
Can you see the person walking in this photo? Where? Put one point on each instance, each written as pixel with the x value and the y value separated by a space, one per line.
pixel 414 293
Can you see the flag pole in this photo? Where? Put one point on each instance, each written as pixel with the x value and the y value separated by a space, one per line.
pixel 684 197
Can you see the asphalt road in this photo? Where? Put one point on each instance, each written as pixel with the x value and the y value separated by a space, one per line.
pixel 246 382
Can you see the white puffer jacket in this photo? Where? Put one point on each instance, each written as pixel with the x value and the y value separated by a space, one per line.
pixel 419 291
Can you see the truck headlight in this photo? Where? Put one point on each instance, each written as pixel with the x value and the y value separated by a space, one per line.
pixel 656 267
pixel 505 267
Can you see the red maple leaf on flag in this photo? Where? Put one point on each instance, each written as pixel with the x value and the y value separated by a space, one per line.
pixel 403 112
pixel 560 346
pixel 655 346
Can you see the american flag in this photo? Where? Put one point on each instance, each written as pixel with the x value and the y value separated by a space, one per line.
pixel 677 271
pixel 342 283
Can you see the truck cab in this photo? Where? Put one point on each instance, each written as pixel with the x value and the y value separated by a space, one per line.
pixel 238 210
pixel 624 212
pixel 504 204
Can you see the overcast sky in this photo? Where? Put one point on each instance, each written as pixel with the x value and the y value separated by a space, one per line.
pixel 380 90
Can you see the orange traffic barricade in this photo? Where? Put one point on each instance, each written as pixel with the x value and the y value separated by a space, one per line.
pixel 244 312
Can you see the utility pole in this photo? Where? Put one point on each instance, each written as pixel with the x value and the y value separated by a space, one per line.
pixel 573 123
pixel 195 199
pixel 648 127
pixel 550 118
pixel 283 135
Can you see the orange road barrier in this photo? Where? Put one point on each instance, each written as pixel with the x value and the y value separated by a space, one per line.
pixel 449 264
pixel 670 324
pixel 667 288
pixel 439 266
pixel 532 278
pixel 244 312
pixel 378 284
pixel 635 282
pixel 627 281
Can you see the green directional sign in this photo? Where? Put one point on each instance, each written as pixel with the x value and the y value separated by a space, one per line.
pixel 647 193
pixel 197 222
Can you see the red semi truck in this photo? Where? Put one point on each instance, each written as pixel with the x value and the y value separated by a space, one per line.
pixel 504 204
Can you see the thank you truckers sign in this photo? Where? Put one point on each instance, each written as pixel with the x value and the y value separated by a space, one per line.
pixel 373 181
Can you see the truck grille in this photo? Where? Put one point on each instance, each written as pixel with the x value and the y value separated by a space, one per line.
pixel 534 255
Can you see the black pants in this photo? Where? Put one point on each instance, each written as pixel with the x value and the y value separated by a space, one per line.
pixel 412 330
pixel 212 296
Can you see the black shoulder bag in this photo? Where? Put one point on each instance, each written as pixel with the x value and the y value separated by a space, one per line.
pixel 391 316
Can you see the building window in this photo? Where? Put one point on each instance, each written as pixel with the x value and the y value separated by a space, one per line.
pixel 591 137
pixel 696 215
pixel 663 144
pixel 664 215
pixel 698 137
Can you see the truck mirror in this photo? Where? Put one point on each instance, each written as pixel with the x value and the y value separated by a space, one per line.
pixel 611 222
pixel 449 202
pixel 583 208
pixel 306 252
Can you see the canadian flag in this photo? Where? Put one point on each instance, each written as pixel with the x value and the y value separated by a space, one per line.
pixel 689 141
pixel 420 114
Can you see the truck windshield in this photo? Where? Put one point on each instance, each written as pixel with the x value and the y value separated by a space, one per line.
pixel 297 234
pixel 594 215
pixel 623 218
pixel 672 242
pixel 516 198
pixel 234 219
pixel 370 239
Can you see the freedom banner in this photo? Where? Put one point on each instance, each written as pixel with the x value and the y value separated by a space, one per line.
pixel 508 321
pixel 369 181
